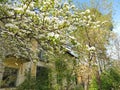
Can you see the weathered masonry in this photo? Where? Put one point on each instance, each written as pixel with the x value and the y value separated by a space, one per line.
pixel 12 71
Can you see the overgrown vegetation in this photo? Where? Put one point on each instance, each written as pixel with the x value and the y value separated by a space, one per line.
pixel 40 82
pixel 74 42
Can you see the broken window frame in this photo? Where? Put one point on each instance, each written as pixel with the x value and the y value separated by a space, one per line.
pixel 9 78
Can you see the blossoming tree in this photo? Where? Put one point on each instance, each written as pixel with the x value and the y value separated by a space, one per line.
pixel 44 21
pixel 53 26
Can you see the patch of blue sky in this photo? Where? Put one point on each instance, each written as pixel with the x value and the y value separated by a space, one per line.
pixel 116 16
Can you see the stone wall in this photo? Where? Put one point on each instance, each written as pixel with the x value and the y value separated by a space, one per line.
pixel 1 71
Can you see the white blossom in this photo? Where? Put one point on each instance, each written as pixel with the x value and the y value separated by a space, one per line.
pixel 94 27
pixel 80 21
pixel 51 34
pixel 24 6
pixel 71 37
pixel 87 46
pixel 72 28
pixel 77 19
pixel 55 26
pixel 61 22
pixel 84 21
pixel 98 22
pixel 55 19
pixel 85 17
pixel 87 11
pixel 56 1
pixel 1 4
pixel 46 3
pixel 67 7
pixel 93 15
pixel 68 23
pixel 68 12
pixel 11 13
pixel 11 25
pixel 41 15
pixel 78 44
pixel 16 64
pixel 92 48
pixel 56 35
pixel 30 12
pixel 98 25
pixel 104 22
pixel 34 61
pixel 83 24
pixel 87 24
pixel 94 22
pixel 82 13
pixel 66 3
pixel 89 17
pixel 73 6
pixel 60 11
pixel 89 21
pixel 47 19
pixel 32 4
pixel 18 9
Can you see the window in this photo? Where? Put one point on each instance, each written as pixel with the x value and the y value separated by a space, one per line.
pixel 42 56
pixel 42 78
pixel 9 77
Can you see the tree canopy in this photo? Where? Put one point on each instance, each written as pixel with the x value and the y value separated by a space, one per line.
pixel 56 27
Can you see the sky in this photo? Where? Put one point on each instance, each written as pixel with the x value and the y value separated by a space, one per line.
pixel 115 15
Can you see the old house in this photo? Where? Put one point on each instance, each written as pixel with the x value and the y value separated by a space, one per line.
pixel 13 70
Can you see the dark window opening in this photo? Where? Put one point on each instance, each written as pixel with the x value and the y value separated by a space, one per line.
pixel 42 78
pixel 9 77
pixel 42 56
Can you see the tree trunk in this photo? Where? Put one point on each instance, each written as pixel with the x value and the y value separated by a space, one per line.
pixel 98 81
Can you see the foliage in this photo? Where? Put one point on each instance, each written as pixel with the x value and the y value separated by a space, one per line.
pixel 110 79
pixel 56 27
pixel 47 22
pixel 42 21
pixel 37 83
pixel 93 39
pixel 64 69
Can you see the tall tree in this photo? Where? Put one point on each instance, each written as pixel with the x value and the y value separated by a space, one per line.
pixel 93 38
